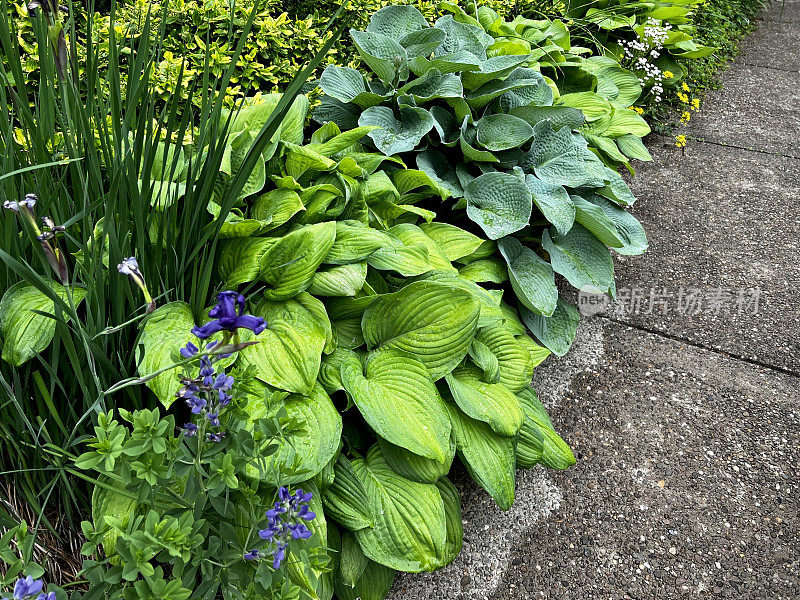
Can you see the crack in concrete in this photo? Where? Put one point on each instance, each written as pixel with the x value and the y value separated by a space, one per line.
pixel 737 147
pixel 701 346
pixel 747 64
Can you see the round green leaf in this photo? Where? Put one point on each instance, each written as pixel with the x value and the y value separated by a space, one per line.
pixel 503 132
pixel 396 136
pixel 499 202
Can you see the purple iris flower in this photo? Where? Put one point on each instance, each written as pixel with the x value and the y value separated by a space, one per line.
pixel 229 315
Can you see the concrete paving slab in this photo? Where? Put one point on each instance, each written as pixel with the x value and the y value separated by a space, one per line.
pixel 686 484
pixel 722 269
pixel 756 108
pixel 776 44
pixel 787 12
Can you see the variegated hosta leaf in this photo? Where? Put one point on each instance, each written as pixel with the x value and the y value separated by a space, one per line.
pixel 397 398
pixel 532 278
pixel 492 403
pixel 410 531
pixel 489 457
pixel 312 436
pixel 288 353
pixel 499 202
pixel 433 322
pixel 554 452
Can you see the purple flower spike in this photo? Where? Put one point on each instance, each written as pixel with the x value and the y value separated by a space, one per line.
pixel 189 350
pixel 27 587
pixel 280 554
pixel 252 555
pixel 227 317
pixel 189 429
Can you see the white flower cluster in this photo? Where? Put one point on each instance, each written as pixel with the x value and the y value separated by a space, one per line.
pixel 641 53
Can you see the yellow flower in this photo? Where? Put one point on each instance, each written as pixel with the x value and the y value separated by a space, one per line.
pixel 668 74
pixel 696 103
pixel 685 87
pixel 636 109
pixel 683 98
pixel 686 116
pixel 680 141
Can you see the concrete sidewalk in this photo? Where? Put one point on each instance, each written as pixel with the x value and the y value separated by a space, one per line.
pixel 682 401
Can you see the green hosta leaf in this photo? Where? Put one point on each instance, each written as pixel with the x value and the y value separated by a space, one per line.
pixel 410 532
pixel 553 201
pixel 460 38
pixel 554 453
pixel 385 56
pixel 422 43
pixel 108 503
pixel 288 265
pixel 435 166
pixel 409 261
pixel 339 280
pixel 341 142
pixel 240 259
pixel 300 159
pixel 355 242
pixel 503 132
pixel 415 467
pixel 626 121
pixel 499 202
pixel 352 561
pixel 432 321
pixel 632 147
pixel 288 352
pixel 412 235
pixel 455 242
pixel 164 332
pixel 485 270
pixel 254 115
pixel 562 158
pixel 516 366
pixel 347 85
pixel 593 106
pixel 490 311
pixel 23 333
pixel 312 436
pixel 397 22
pixel 434 85
pixel 492 403
pixel 556 332
pixel 314 579
pixel 236 225
pixel 489 457
pixel 558 116
pixel 399 401
pixel 277 207
pixel 538 353
pixel 606 147
pixel 452 509
pixel 626 82
pixel 531 277
pixel 346 498
pixel 395 137
pixel 612 225
pixel 374 584
pixel 582 259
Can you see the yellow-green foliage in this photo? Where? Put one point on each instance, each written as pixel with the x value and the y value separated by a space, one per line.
pixel 282 40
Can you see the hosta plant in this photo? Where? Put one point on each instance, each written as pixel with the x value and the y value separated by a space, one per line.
pixel 494 148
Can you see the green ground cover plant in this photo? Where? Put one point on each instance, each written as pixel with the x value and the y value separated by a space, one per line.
pixel 254 331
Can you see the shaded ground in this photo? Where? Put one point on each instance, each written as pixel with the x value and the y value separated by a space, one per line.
pixel 684 413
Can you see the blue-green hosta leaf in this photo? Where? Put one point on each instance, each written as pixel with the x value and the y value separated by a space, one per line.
pixel 410 532
pixel 455 242
pixel 485 270
pixel 288 265
pixel 553 201
pixel 632 147
pixel 385 56
pixel 538 94
pixel 288 353
pixel 346 499
pixel 489 457
pixel 435 166
pixel 164 333
pixel 374 584
pixel 395 136
pixel 434 85
pixel 492 69
pixel 396 396
pixel 499 202
pixel 612 225
pixel 492 403
pixel 461 37
pixel 516 365
pixel 239 259
pixel 606 146
pixel 558 116
pixel 558 156
pixel 554 451
pixel 431 321
pixel 452 509
pixel 276 207
pixel 312 435
pixel 582 259
pixel 455 62
pixel 339 280
pixel 397 22
pixel 531 277
pixel 495 88
pixel 415 467
pixel 556 332
pixel 421 43
pixel 347 85
pixel 503 132
pixel 23 333
pixel 331 110
pixel 467 142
